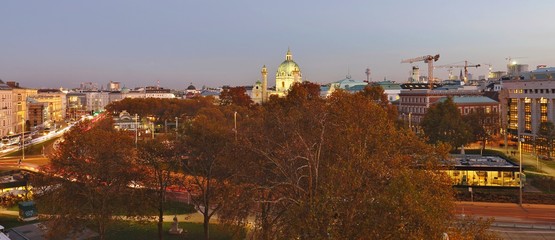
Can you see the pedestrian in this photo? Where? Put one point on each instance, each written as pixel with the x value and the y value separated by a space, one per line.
pixel 19 163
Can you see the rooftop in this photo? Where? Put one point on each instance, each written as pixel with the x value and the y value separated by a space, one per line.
pixel 479 162
pixel 469 99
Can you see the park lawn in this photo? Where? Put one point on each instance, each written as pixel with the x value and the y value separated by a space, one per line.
pixel 549 163
pixel 173 208
pixel 135 230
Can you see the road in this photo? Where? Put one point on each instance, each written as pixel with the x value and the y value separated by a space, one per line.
pixel 513 222
pixel 509 212
pixel 31 163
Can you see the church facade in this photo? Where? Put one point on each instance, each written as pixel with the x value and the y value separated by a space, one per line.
pixel 287 74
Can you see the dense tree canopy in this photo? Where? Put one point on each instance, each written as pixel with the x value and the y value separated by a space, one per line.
pixel 88 179
pixel 235 95
pixel 302 166
pixel 483 125
pixel 328 168
pixel 443 123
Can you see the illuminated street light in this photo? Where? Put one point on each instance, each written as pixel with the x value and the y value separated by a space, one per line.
pixel 520 140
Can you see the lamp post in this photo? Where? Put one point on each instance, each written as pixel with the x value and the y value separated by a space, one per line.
pixel 410 121
pixel 23 138
pixel 520 140
pixel 152 124
pixel 136 129
pixel 176 127
pixel 235 124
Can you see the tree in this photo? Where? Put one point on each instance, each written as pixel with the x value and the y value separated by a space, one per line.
pixel 88 179
pixel 328 168
pixel 443 123
pixel 482 125
pixel 160 159
pixel 545 137
pixel 235 95
pixel 377 94
pixel 208 140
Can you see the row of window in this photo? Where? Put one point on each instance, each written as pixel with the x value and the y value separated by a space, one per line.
pixel 533 91
pixel 413 100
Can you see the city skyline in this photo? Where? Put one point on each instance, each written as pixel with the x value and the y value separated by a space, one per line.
pixel 63 43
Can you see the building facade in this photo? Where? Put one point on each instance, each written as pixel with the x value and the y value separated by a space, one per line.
pixel 6 111
pixel 55 101
pixel 526 104
pixel 20 101
pixel 414 103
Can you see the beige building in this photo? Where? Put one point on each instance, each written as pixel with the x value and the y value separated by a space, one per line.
pixel 6 112
pixel 19 106
pixel 55 103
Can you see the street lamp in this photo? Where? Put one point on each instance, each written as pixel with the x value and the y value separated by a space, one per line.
pixel 520 140
pixel 23 138
pixel 136 129
pixel 235 124
pixel 410 121
pixel 176 127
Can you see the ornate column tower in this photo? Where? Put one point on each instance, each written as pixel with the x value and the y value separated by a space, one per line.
pixel 264 73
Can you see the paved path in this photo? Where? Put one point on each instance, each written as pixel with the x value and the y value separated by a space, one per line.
pixel 192 217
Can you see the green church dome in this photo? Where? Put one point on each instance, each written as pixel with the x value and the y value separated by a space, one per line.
pixel 287 67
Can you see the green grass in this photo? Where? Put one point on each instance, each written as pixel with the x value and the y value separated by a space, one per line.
pixel 544 183
pixel 134 230
pixel 173 208
pixel 138 231
pixel 550 164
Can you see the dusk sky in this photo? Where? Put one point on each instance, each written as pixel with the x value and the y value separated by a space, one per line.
pixel 136 42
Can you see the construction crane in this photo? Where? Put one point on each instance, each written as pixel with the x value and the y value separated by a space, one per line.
pixel 465 67
pixel 429 59
pixel 512 60
pixel 489 69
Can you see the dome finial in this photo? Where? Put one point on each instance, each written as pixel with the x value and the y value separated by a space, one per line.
pixel 288 56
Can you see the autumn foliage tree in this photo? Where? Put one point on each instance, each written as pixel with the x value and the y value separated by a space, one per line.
pixel 87 182
pixel 161 160
pixel 207 142
pixel 235 95
pixel 338 168
pixel 443 123
pixel 483 125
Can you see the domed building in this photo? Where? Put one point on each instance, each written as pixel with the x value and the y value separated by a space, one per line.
pixel 287 74
pixel 191 92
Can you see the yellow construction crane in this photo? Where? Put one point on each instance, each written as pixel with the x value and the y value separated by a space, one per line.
pixel 429 59
pixel 465 67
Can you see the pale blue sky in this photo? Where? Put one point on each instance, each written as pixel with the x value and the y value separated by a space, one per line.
pixel 63 43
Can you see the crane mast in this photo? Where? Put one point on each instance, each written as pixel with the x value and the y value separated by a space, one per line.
pixel 429 59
